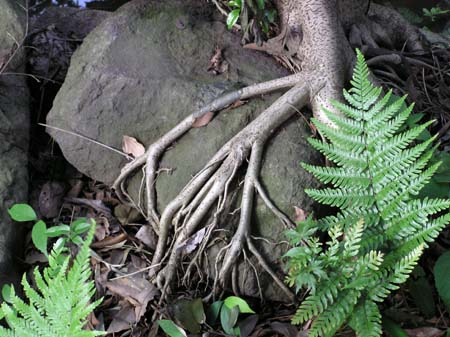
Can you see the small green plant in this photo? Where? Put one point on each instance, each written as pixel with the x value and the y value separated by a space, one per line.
pixel 61 302
pixel 434 12
pixel 383 226
pixel 261 14
pixel 234 14
pixel 428 15
pixel 191 315
pixel 40 233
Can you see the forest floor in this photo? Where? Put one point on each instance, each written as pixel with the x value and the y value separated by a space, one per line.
pixel 124 244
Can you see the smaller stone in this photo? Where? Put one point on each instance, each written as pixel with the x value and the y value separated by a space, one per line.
pixel 51 199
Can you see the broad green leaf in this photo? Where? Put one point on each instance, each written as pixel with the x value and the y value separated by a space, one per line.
pixel 443 177
pixel 212 313
pixel 61 242
pixel 413 119
pixel 183 313
pixel 198 311
pixel 6 292
pixel 56 231
pixel 228 318
pixel 442 277
pixel 39 236
pixel 261 4
pixel 247 326
pixel 421 292
pixel 78 240
pixel 22 213
pixel 435 189
pixel 171 328
pixel 393 329
pixel 234 3
pixel 234 301
pixel 424 135
pixel 232 17
pixel 80 226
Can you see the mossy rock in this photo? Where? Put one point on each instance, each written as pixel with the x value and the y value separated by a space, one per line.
pixel 14 130
pixel 141 72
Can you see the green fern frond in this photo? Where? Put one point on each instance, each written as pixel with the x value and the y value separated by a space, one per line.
pixel 60 304
pixel 331 319
pixel 339 156
pixel 339 176
pixel 381 229
pixel 366 319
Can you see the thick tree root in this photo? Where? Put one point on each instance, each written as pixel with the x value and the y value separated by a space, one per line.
pixel 211 186
pixel 151 157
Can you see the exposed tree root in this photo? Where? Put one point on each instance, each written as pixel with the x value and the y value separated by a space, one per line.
pixel 314 40
pixel 212 185
pixel 151 157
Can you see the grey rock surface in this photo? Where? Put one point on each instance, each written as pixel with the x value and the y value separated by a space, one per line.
pixel 142 71
pixel 14 125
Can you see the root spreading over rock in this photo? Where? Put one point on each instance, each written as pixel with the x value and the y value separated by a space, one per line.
pixel 317 40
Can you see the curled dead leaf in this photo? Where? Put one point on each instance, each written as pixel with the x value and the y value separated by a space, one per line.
pixel 123 319
pixel 203 120
pixel 147 236
pixel 110 241
pixel 425 332
pixel 136 290
pixel 300 214
pixel 217 64
pixel 192 243
pixel 237 104
pixel 131 146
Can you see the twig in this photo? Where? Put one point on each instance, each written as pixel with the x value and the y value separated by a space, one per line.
pixel 268 269
pixel 133 273
pixel 88 139
pixel 34 77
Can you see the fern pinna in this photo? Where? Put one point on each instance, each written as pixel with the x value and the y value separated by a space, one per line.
pixel 382 227
pixel 60 305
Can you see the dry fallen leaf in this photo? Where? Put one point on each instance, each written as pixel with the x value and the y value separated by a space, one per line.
pixel 92 321
pixel 110 241
pixel 425 332
pixel 131 146
pixel 203 120
pixel 217 65
pixel 284 329
pixel 237 104
pixel 123 319
pixel 191 243
pixel 300 214
pixel 147 236
pixel 136 290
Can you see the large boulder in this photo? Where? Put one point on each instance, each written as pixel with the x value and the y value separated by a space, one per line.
pixel 142 71
pixel 14 130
